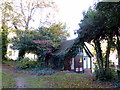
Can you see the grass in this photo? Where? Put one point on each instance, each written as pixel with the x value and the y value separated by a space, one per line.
pixel 57 80
pixel 8 80
pixel 36 83
pixel 60 80
pixel 0 80
pixel 70 81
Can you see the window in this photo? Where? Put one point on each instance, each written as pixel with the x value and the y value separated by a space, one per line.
pixel 10 53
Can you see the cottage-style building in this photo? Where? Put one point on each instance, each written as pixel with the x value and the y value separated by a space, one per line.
pixel 82 62
pixel 13 54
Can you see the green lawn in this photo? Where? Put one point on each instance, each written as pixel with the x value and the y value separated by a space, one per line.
pixel 53 81
pixel 0 80
pixel 8 80
pixel 36 83
pixel 57 80
pixel 71 81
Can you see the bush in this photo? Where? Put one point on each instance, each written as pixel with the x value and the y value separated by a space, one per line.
pixel 33 67
pixel 106 76
pixel 26 63
pixel 43 71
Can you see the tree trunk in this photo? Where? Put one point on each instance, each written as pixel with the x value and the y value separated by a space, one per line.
pixel 99 55
pixel 118 47
pixel 4 41
pixel 21 54
pixel 108 54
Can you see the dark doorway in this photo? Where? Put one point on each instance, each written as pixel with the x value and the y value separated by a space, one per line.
pixel 78 64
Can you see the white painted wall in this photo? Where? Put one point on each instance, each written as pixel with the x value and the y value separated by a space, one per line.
pixel 12 54
pixel 114 57
pixel 72 65
pixel 31 56
pixel 86 62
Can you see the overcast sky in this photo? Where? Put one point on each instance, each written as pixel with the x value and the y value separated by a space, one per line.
pixel 70 12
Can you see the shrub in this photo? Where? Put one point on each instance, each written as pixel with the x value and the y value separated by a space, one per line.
pixel 105 76
pixel 116 85
pixel 43 71
pixel 33 67
pixel 26 63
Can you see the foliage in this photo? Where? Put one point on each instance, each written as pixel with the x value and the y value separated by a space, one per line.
pixel 32 66
pixel 29 41
pixel 104 77
pixel 58 62
pixel 99 24
pixel 112 13
pixel 37 70
pixel 23 12
pixel 25 63
pixel 43 71
pixel 24 43
pixel 6 10
pixel 56 33
pixel 18 15
pixel 91 26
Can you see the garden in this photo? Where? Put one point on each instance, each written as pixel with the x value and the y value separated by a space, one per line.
pixel 47 67
pixel 59 79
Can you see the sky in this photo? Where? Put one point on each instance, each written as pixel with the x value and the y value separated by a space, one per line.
pixel 70 12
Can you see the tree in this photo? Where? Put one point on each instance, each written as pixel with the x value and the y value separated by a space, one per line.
pixel 97 25
pixel 17 15
pixel 111 12
pixel 26 10
pixel 56 33
pixel 93 26
pixel 6 11
pixel 41 42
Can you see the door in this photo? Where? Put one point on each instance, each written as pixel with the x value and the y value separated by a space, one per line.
pixel 78 64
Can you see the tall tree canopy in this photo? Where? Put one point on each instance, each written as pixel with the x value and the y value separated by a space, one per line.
pixel 112 13
pixel 100 23
pixel 6 11
pixel 19 14
pixel 55 34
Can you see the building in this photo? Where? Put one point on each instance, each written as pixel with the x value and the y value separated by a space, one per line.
pixel 82 62
pixel 13 54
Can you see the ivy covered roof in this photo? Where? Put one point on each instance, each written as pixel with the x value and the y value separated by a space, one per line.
pixel 63 46
pixel 67 46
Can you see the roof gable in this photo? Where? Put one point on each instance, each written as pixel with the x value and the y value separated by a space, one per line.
pixel 67 44
pixel 64 45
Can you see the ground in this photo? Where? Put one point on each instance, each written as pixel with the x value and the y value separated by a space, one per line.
pixel 61 79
